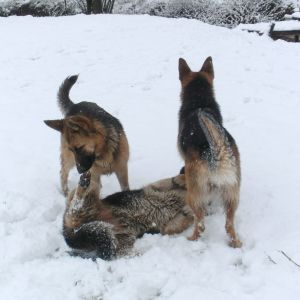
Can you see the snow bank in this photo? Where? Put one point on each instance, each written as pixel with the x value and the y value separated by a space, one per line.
pixel 128 65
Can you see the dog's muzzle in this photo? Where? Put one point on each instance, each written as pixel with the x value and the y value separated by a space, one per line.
pixel 84 161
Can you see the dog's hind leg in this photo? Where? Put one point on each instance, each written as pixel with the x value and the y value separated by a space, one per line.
pixel 67 163
pixel 177 225
pixel 196 174
pixel 199 213
pixel 230 197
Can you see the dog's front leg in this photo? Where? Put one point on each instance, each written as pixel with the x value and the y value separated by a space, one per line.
pixel 122 175
pixel 67 163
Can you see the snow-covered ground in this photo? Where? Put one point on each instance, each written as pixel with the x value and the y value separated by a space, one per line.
pixel 128 65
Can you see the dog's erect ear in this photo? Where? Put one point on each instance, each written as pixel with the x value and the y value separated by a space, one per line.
pixel 80 123
pixel 55 124
pixel 208 67
pixel 183 68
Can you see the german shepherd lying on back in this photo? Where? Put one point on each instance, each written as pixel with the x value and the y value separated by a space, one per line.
pixel 90 138
pixel 212 162
pixel 109 227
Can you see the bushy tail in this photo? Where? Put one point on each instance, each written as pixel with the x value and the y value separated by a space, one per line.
pixel 64 100
pixel 95 236
pixel 216 136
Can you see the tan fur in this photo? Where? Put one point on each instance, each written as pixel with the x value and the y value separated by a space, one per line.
pixel 91 139
pixel 111 149
pixel 92 224
pixel 204 183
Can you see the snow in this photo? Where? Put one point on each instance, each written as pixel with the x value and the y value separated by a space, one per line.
pixel 262 28
pixel 265 27
pixel 287 25
pixel 128 65
pixel 296 15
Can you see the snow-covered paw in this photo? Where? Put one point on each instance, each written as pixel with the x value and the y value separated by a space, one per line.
pixel 85 180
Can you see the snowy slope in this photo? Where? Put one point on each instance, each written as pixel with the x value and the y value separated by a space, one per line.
pixel 128 65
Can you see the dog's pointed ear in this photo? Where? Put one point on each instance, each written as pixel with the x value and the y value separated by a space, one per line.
pixel 183 68
pixel 208 67
pixel 55 124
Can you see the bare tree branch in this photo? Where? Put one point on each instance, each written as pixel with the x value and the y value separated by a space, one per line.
pixel 271 260
pixel 291 260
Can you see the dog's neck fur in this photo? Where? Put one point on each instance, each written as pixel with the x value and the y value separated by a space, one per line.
pixel 191 101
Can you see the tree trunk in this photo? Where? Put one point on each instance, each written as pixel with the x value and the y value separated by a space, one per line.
pixel 97 7
pixel 89 6
pixel 100 6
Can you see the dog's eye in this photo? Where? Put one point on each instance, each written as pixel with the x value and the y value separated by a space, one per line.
pixel 72 150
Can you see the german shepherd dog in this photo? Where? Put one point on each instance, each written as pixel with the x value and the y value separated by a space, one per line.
pixel 212 161
pixel 109 227
pixel 90 138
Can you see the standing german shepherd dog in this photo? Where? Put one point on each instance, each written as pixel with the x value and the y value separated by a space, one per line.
pixel 90 138
pixel 212 163
pixel 109 227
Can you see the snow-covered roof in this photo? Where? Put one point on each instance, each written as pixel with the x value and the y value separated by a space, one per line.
pixel 293 16
pixel 258 27
pixel 296 15
pixel 287 25
pixel 265 27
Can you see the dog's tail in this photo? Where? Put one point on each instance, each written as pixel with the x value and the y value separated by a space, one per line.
pixel 94 236
pixel 64 100
pixel 216 136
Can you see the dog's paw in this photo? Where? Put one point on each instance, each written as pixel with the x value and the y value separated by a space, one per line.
pixel 85 180
pixel 235 243
pixel 193 238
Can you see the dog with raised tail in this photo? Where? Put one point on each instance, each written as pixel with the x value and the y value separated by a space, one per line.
pixel 212 160
pixel 91 138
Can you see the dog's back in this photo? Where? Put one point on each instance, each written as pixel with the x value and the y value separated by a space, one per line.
pixel 85 108
pixel 201 134
pixel 212 163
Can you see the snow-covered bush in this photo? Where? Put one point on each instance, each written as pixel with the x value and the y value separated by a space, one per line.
pixel 235 12
pixel 39 8
pixel 54 7
pixel 226 13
